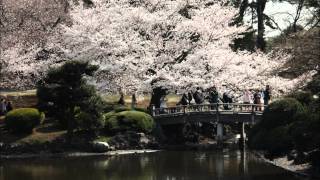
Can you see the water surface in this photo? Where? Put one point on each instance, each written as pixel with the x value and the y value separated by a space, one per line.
pixel 166 165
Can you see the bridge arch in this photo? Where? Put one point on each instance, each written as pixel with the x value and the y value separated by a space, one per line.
pixel 219 113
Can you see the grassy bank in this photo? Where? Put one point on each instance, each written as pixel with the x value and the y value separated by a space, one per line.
pixel 48 132
pixel 29 99
pixel 20 99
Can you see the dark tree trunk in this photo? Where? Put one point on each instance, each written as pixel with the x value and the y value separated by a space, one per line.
pixel 70 126
pixel 298 13
pixel 261 44
pixel 157 93
pixel 244 5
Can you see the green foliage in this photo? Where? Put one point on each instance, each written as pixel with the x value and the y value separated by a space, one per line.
pixel 276 141
pixel 128 120
pixel 289 124
pixel 142 110
pixel 272 133
pixel 279 141
pixel 23 120
pixel 257 138
pixel 65 95
pixel 314 85
pixel 121 108
pixel 124 108
pixel 304 97
pixel 282 112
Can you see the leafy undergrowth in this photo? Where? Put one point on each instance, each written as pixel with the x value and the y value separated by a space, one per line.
pixel 41 134
pixel 128 120
pixel 103 138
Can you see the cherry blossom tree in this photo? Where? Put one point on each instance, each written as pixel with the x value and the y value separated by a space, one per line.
pixel 141 45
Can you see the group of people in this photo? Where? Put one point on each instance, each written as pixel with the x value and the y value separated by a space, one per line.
pixel 249 97
pixel 257 97
pixel 198 97
pixel 133 100
pixel 5 106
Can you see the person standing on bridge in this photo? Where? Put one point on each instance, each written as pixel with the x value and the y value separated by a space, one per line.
pixel 227 99
pixel 213 97
pixel 257 100
pixel 198 97
pixel 247 99
pixel 190 97
pixel 267 95
pixel 184 100
pixel 163 104
pixel 262 99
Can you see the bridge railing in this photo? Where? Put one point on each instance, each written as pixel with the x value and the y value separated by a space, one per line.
pixel 217 107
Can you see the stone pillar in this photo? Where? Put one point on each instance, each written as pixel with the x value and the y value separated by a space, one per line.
pixel 243 165
pixel 219 132
pixel 252 115
pixel 153 110
pixel 159 133
pixel 242 140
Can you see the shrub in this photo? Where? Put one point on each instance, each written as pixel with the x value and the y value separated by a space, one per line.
pixel 288 125
pixel 124 108
pixel 279 141
pixel 282 112
pixel 304 97
pixel 142 110
pixel 276 141
pixel 306 134
pixel 121 108
pixel 273 132
pixel 87 121
pixel 128 120
pixel 23 120
pixel 257 139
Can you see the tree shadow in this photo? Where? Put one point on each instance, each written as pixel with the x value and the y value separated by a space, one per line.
pixel 49 127
pixel 7 136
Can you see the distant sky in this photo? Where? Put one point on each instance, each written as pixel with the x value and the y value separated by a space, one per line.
pixel 280 11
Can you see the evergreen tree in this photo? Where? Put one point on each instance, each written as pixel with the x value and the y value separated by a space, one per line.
pixel 65 95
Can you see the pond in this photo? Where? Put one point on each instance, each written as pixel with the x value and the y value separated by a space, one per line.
pixel 166 165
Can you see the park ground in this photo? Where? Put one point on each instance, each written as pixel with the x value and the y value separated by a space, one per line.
pixel 48 132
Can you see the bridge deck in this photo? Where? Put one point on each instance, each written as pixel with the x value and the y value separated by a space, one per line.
pixel 222 113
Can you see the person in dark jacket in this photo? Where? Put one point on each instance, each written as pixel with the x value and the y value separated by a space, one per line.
pixel 9 106
pixel 213 97
pixel 190 97
pixel 227 98
pixel 3 107
pixel 257 100
pixel 267 95
pixel 121 100
pixel 184 100
pixel 133 101
pixel 198 96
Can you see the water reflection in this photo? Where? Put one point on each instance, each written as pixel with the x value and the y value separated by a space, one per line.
pixel 228 165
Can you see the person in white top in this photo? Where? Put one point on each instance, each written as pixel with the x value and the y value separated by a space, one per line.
pixel 247 98
pixel 163 104
pixel 3 107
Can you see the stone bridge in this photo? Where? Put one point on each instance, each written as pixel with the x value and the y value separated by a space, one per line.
pixel 219 113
